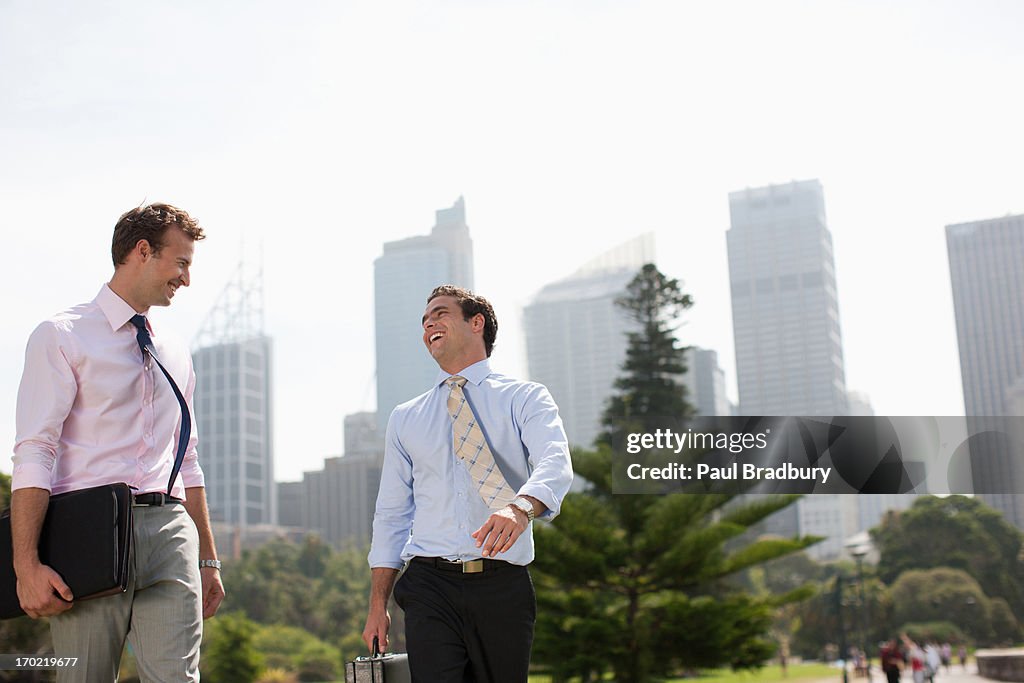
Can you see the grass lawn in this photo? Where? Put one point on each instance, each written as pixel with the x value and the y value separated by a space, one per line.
pixel 796 674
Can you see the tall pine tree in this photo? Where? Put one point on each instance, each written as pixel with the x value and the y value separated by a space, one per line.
pixel 650 386
pixel 635 584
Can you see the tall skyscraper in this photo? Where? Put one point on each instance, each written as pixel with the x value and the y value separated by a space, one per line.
pixel 233 363
pixel 785 311
pixel 576 336
pixel 986 264
pixel 404 275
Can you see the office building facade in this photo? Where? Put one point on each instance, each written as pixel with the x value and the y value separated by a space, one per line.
pixel 233 361
pixel 986 264
pixel 785 311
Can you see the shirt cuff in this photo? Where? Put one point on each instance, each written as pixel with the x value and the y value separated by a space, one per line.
pixel 192 477
pixel 544 495
pixel 30 475
pixel 387 565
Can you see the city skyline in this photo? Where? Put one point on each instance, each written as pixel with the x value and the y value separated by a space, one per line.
pixel 568 129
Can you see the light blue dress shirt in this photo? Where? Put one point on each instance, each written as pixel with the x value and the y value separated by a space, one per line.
pixel 428 505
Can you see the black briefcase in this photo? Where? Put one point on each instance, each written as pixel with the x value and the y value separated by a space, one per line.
pixel 380 668
pixel 86 538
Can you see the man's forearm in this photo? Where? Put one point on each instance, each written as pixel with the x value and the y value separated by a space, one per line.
pixel 28 510
pixel 382 580
pixel 195 506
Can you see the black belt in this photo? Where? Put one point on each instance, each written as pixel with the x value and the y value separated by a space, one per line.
pixel 468 567
pixel 154 499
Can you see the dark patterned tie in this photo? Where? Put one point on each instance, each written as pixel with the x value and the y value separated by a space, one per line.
pixel 146 344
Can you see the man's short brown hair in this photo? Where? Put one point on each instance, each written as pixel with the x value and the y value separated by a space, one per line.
pixel 471 305
pixel 149 223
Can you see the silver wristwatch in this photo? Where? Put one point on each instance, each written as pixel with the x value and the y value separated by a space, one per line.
pixel 210 563
pixel 524 505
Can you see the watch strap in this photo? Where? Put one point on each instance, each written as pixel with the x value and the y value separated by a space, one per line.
pixel 526 506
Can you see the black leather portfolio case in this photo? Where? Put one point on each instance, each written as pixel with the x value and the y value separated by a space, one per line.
pixel 86 538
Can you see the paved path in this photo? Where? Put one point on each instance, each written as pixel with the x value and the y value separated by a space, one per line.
pixel 956 675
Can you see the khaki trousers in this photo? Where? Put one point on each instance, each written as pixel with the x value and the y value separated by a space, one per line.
pixel 160 614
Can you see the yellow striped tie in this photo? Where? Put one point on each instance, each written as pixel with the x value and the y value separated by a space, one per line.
pixel 472 449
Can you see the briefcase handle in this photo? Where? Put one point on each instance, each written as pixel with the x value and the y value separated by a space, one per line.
pixel 376 647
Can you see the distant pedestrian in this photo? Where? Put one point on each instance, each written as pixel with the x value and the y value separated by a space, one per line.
pixel 892 661
pixel 917 659
pixel 932 661
pixel 961 652
pixel 947 655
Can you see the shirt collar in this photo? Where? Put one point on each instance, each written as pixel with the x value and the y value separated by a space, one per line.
pixel 116 309
pixel 475 373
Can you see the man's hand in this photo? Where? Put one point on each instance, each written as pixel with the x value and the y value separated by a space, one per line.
pixel 213 591
pixel 378 623
pixel 500 531
pixel 42 593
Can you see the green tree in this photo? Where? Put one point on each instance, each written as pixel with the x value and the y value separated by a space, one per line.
pixel 308 586
pixel 945 594
pixel 778 577
pixel 958 532
pixel 635 584
pixel 649 387
pixel 228 652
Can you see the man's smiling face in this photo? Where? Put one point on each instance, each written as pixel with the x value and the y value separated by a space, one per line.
pixel 454 342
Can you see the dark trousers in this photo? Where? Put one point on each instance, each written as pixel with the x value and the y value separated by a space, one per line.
pixel 467 628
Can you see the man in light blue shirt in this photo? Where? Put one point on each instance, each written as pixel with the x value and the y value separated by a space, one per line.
pixel 468 598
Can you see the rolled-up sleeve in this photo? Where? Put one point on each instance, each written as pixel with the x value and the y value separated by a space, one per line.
pixel 392 520
pixel 544 437
pixel 45 397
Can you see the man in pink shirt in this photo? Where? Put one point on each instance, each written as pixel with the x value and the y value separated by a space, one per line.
pixel 94 409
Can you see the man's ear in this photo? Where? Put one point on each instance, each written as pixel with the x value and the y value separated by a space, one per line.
pixel 144 249
pixel 479 322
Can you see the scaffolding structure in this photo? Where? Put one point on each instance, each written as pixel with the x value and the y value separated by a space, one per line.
pixel 237 315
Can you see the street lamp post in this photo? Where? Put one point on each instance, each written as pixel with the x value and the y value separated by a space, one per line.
pixel 858 553
pixel 843 649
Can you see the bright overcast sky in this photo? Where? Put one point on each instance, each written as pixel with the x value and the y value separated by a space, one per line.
pixel 321 129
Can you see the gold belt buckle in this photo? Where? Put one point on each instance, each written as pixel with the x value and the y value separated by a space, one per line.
pixel 473 567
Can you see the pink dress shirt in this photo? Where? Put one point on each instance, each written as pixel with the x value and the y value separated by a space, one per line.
pixel 90 412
